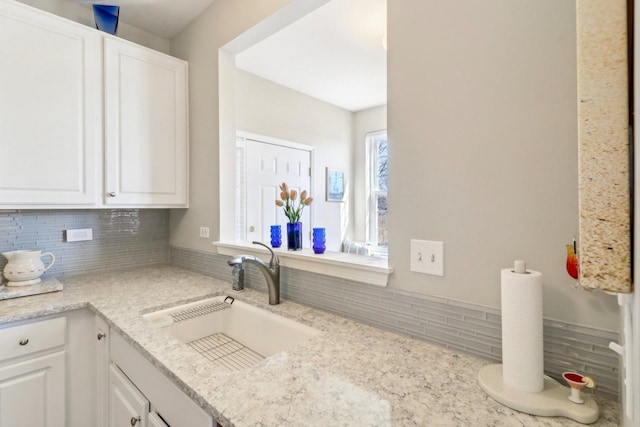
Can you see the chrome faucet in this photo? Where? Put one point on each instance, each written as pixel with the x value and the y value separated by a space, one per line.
pixel 271 272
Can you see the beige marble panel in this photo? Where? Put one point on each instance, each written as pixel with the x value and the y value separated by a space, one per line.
pixel 605 221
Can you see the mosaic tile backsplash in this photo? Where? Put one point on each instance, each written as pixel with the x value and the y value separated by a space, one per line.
pixel 122 238
pixel 459 326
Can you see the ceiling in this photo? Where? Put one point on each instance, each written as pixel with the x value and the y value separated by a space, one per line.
pixel 334 53
pixel 164 18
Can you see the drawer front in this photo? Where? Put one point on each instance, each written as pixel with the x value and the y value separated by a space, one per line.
pixel 29 338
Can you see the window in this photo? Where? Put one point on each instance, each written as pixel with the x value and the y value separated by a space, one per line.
pixel 377 162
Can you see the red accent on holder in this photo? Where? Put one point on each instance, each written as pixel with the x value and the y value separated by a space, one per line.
pixel 573 377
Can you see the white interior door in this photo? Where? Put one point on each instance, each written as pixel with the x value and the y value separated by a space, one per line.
pixel 267 166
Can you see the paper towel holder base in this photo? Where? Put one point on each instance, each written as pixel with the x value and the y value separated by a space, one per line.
pixel 550 402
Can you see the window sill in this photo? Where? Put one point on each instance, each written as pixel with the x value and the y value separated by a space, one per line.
pixel 371 270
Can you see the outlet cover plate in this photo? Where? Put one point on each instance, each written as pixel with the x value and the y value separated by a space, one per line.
pixel 79 234
pixel 427 257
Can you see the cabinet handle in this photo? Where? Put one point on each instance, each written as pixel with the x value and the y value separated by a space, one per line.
pixel 134 420
pixel 101 335
pixel 24 341
pixel 112 194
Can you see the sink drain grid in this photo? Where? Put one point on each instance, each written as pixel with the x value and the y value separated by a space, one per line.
pixel 198 311
pixel 226 352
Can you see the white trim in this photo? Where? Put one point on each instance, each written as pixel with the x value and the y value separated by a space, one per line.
pixel 241 190
pixel 274 141
pixel 371 270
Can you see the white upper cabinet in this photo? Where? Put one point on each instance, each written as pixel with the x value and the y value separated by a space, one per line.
pixel 55 124
pixel 50 109
pixel 145 126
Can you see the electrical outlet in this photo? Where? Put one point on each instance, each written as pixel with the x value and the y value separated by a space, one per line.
pixel 79 234
pixel 427 257
pixel 204 232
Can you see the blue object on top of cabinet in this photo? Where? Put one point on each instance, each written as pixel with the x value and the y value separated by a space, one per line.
pixel 106 18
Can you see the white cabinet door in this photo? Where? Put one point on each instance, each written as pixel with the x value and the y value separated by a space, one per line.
pixel 145 127
pixel 129 407
pixel 50 109
pixel 101 331
pixel 32 392
pixel 167 399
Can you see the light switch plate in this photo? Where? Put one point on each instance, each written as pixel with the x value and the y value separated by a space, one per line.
pixel 427 257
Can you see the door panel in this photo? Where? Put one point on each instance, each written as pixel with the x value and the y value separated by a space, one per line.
pixel 50 109
pixel 32 393
pixel 268 166
pixel 145 126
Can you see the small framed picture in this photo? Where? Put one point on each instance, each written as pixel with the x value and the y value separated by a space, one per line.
pixel 335 185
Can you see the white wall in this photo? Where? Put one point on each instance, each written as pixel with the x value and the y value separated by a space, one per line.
pixel 269 109
pixel 84 15
pixel 199 43
pixel 365 121
pixel 483 147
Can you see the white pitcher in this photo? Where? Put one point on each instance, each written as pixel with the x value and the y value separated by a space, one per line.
pixel 25 266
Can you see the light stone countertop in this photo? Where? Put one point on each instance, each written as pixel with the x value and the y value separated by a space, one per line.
pixel 349 375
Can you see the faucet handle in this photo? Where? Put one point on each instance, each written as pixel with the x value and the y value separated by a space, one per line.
pixel 274 258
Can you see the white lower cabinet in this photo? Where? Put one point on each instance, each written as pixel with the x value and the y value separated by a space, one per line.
pixel 169 405
pixel 128 404
pixel 47 371
pixel 33 374
pixel 71 370
pixel 32 392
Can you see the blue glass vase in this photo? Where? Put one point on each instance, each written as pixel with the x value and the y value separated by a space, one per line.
pixel 276 236
pixel 319 240
pixel 106 18
pixel 294 236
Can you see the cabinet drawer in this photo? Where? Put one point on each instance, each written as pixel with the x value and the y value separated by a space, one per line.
pixel 31 337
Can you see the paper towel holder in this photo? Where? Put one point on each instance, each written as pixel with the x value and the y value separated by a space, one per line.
pixel 539 394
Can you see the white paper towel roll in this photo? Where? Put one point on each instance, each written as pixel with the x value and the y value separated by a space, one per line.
pixel 522 339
